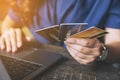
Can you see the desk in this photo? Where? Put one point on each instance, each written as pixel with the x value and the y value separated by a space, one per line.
pixel 69 69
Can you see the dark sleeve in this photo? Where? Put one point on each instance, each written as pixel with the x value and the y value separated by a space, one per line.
pixel 113 20
pixel 13 16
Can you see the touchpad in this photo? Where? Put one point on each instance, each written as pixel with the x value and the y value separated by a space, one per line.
pixel 43 57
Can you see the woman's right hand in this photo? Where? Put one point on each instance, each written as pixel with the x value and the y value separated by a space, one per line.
pixel 12 39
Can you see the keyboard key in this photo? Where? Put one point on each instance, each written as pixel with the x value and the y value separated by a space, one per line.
pixel 18 68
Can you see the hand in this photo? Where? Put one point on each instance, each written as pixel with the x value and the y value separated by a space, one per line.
pixel 83 50
pixel 12 39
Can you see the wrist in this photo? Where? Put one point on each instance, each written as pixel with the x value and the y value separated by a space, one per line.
pixel 104 53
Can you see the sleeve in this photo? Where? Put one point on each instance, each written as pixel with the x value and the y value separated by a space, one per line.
pixel 113 19
pixel 13 16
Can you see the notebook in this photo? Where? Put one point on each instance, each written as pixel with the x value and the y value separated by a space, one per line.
pixel 27 64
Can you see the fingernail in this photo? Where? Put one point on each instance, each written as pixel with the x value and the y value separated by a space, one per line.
pixel 14 50
pixel 2 47
pixel 8 49
pixel 28 38
pixel 65 42
pixel 69 40
pixel 19 45
pixel 68 44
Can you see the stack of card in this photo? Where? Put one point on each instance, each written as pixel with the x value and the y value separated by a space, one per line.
pixel 70 30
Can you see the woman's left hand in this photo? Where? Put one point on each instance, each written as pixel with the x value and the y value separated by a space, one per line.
pixel 83 50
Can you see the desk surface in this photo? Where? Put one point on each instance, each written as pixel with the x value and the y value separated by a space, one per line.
pixel 69 69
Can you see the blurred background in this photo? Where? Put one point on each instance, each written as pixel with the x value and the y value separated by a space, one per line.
pixel 4 5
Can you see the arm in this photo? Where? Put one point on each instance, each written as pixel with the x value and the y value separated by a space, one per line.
pixel 7 24
pixel 83 50
pixel 112 41
pixel 88 50
pixel 8 35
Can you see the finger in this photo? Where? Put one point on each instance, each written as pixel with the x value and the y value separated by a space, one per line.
pixel 88 58
pixel 28 39
pixel 2 43
pixel 81 49
pixel 8 42
pixel 82 58
pixel 13 40
pixel 78 59
pixel 81 55
pixel 82 41
pixel 85 50
pixel 18 37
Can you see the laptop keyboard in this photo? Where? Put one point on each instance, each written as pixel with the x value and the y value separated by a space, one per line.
pixel 17 68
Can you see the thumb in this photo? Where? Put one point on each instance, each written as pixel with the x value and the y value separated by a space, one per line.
pixel 28 39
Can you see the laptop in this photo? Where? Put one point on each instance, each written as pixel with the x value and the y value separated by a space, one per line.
pixel 27 63
pixel 3 73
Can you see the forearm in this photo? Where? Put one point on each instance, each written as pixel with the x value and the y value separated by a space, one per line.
pixel 7 24
pixel 113 51
pixel 112 41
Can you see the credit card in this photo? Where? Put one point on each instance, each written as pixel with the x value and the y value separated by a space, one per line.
pixel 50 33
pixel 92 32
pixel 67 29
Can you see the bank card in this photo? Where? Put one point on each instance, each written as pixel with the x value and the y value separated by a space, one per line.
pixel 50 33
pixel 92 32
pixel 67 29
